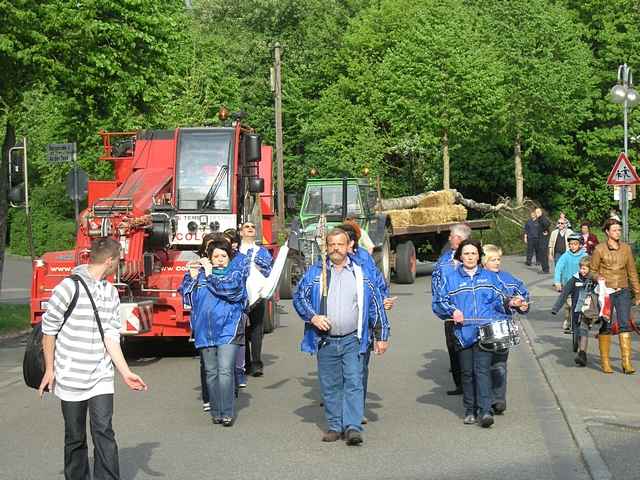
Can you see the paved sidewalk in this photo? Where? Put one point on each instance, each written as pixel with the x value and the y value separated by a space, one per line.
pixel 16 280
pixel 605 406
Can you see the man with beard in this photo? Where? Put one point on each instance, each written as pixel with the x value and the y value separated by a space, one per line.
pixel 339 333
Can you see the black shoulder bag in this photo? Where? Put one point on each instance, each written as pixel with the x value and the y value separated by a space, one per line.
pixel 33 365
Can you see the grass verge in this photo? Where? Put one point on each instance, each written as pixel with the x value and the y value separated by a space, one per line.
pixel 13 318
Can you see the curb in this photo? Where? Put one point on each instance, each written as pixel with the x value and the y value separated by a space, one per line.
pixel 596 466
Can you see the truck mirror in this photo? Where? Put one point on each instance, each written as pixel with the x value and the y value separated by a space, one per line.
pixel 256 185
pixel 291 200
pixel 252 148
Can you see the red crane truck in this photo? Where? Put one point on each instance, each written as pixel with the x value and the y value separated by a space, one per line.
pixel 171 188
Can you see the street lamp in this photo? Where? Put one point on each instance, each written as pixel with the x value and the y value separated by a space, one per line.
pixel 624 93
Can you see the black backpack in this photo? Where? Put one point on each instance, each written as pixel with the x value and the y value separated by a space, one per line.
pixel 33 366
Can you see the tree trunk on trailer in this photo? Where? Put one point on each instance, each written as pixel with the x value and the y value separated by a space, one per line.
pixel 402 203
pixel 9 141
pixel 445 161
pixel 517 151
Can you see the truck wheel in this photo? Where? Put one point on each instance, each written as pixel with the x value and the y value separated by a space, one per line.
pixel 405 262
pixel 271 316
pixel 291 275
pixel 382 257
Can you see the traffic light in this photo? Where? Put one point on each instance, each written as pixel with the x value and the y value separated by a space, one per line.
pixel 16 176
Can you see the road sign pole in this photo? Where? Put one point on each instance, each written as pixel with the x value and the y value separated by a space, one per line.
pixel 76 200
pixel 624 198
pixel 26 199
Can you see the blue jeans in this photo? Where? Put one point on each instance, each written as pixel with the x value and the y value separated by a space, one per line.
pixel 476 380
pixel 621 306
pixel 499 376
pixel 340 374
pixel 219 366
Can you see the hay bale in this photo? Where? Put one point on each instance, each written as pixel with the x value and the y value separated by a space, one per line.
pixel 438 199
pixel 399 218
pixel 427 215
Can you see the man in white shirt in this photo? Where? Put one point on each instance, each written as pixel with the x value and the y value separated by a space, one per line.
pixel 261 257
pixel 79 359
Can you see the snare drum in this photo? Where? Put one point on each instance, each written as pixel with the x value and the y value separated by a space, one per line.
pixel 499 335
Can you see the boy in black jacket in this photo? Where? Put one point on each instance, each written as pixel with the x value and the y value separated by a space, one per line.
pixel 585 309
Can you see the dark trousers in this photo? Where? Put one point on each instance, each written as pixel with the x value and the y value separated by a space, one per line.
pixel 105 450
pixel 452 348
pixel 366 358
pixel 532 243
pixel 203 381
pixel 254 334
pixel 542 252
pixel 476 380
pixel 499 376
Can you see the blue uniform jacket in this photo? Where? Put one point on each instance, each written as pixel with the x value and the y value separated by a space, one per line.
pixel 371 313
pixel 513 286
pixel 366 261
pixel 262 260
pixel 446 261
pixel 482 299
pixel 217 303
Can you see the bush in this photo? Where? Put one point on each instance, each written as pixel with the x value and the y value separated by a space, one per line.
pixel 52 231
pixel 505 234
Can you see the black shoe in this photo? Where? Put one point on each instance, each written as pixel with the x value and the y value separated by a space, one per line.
pixel 257 371
pixel 528 264
pixel 581 359
pixel 227 421
pixel 217 420
pixel 499 407
pixel 457 391
pixel 353 437
pixel 486 421
pixel 331 436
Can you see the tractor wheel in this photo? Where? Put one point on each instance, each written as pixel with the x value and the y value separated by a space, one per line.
pixel 291 275
pixel 382 257
pixel 405 262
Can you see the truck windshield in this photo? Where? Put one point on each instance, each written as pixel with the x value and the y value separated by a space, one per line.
pixel 203 165
pixel 327 199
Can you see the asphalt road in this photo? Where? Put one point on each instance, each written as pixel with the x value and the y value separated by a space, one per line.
pixel 415 430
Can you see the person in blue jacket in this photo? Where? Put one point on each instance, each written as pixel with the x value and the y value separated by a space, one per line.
pixel 566 267
pixel 472 296
pixel 491 260
pixel 457 234
pixel 338 329
pixel 261 257
pixel 217 295
pixel 362 257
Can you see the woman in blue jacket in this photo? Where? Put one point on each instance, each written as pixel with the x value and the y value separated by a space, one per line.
pixel 216 291
pixel 472 296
